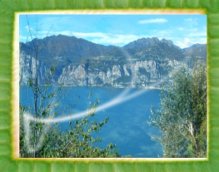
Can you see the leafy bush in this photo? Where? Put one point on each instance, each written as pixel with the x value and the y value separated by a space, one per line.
pixel 182 117
pixel 78 141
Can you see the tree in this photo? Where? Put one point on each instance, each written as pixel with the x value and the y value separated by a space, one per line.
pixel 78 141
pixel 182 116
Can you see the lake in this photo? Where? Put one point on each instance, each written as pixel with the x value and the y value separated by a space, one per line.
pixel 127 126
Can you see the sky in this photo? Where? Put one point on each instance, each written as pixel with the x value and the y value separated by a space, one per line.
pixel 118 29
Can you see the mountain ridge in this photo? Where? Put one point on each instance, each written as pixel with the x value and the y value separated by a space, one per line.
pixel 79 62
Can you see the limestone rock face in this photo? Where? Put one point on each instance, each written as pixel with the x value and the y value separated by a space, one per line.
pixel 137 74
pixel 71 61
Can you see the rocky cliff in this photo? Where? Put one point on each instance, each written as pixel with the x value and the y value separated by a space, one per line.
pixel 71 61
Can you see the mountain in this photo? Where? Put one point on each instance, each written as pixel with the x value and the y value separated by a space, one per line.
pixel 196 50
pixel 194 54
pixel 153 48
pixel 70 48
pixel 71 61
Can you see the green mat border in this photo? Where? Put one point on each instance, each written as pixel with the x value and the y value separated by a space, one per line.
pixel 7 15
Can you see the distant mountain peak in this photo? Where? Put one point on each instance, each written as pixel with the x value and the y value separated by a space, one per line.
pixel 154 48
pixel 169 42
pixel 196 50
pixel 197 45
pixel 145 40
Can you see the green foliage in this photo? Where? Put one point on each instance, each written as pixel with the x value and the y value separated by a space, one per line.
pixel 182 115
pixel 78 141
pixel 50 141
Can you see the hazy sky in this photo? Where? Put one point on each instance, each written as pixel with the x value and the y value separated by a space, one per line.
pixel 183 30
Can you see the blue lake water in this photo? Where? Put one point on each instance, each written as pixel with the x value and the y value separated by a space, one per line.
pixel 127 126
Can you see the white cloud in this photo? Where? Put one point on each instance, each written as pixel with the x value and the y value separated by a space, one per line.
pixel 96 37
pixel 153 21
pixel 121 39
pixel 115 39
pixel 198 34
pixel 89 34
pixel 191 22
pixel 186 42
pixel 104 38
